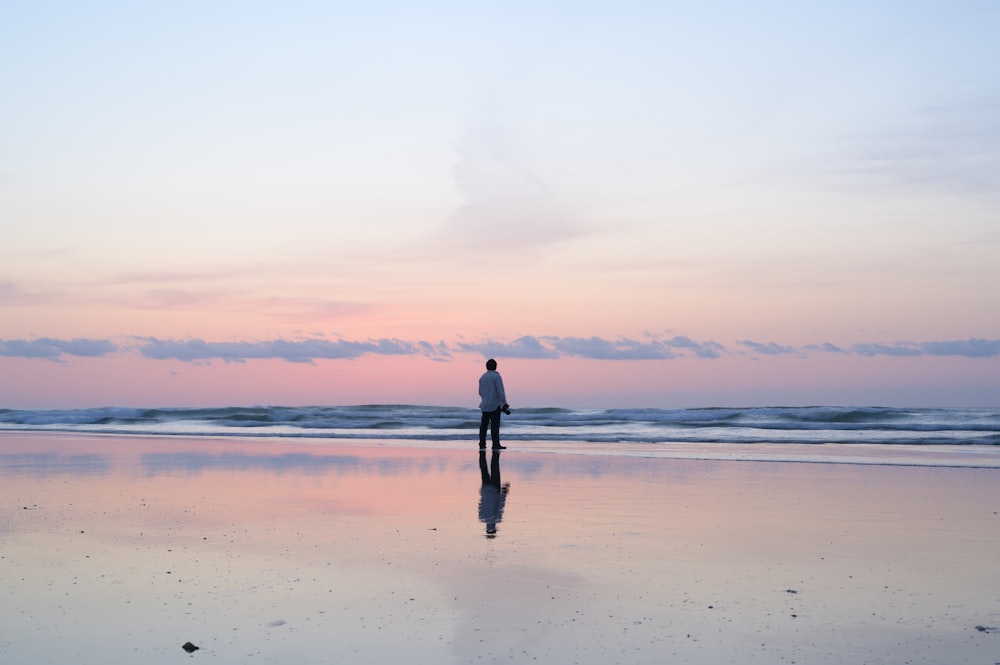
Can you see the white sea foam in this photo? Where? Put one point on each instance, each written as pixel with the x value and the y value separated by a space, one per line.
pixel 622 427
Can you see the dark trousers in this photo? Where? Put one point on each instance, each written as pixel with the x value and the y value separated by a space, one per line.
pixel 491 475
pixel 490 419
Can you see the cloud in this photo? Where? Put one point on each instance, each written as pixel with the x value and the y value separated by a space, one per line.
pixel 296 351
pixel 161 277
pixel 951 149
pixel 768 348
pixel 602 349
pixel 524 347
pixel 595 348
pixel 707 349
pixel 897 349
pixel 957 149
pixel 825 347
pixel 13 294
pixel 503 199
pixel 971 348
pixel 55 349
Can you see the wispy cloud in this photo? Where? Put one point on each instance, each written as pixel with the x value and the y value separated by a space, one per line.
pixel 14 294
pixel 826 347
pixel 503 197
pixel 595 348
pixel 7 290
pixel 158 277
pixel 707 349
pixel 56 349
pixel 619 349
pixel 296 351
pixel 768 348
pixel 522 347
pixel 973 348
pixel 951 148
pixel 630 349
pixel 897 349
pixel 526 347
pixel 970 348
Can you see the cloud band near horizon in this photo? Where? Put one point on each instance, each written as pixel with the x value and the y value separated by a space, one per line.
pixel 525 347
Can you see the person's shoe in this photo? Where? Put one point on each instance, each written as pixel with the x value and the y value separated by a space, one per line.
pixel 482 446
pixel 499 447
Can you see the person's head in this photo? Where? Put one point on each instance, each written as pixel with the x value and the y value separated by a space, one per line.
pixel 491 364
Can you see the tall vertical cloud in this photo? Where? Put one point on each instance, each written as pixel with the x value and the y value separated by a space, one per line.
pixel 503 199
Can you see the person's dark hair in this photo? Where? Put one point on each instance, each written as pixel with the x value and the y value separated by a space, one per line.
pixel 491 364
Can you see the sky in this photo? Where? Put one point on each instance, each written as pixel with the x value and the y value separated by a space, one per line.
pixel 654 204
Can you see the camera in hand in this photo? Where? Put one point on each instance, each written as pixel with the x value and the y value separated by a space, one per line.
pixel 505 408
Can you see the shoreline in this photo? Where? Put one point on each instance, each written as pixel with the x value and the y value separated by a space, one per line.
pixel 123 549
pixel 972 456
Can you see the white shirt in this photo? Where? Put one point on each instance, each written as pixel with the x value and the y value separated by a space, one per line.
pixel 491 391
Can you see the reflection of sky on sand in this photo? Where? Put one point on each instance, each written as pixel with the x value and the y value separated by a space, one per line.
pixel 53 464
pixel 122 550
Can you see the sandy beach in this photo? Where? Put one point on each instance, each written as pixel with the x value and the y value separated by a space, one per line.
pixel 123 549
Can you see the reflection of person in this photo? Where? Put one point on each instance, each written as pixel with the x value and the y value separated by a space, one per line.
pixel 492 401
pixel 493 495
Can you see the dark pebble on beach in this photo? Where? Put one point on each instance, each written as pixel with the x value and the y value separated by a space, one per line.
pixel 190 648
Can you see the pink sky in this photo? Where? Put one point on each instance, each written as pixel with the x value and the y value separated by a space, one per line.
pixel 718 206
pixel 128 380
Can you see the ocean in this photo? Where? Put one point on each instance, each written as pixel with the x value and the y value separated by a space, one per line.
pixel 952 427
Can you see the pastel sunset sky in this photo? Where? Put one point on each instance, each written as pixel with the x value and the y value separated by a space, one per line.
pixel 627 204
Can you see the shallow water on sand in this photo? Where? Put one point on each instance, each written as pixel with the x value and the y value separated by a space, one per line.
pixel 120 550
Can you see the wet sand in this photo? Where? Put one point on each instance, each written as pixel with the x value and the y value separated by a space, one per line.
pixel 123 549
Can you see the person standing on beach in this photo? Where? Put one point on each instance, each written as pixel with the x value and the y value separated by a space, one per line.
pixel 492 401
